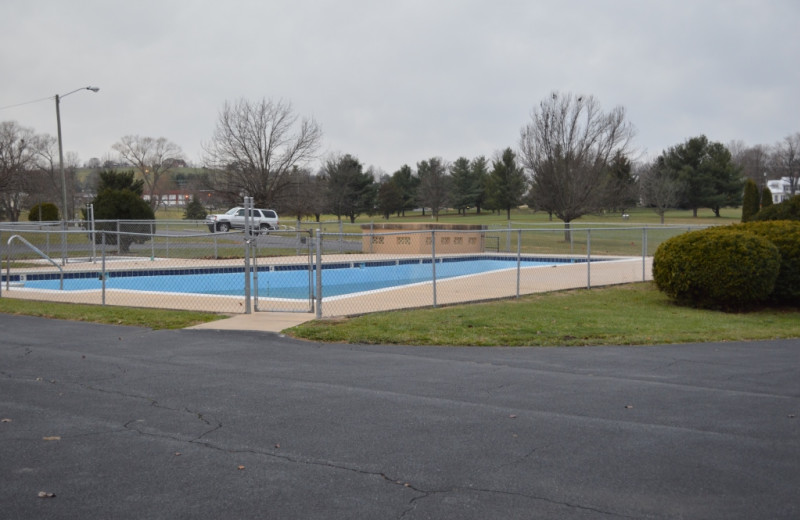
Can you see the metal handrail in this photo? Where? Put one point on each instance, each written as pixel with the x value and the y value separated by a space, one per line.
pixel 35 250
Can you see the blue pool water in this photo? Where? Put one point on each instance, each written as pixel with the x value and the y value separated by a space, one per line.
pixel 291 282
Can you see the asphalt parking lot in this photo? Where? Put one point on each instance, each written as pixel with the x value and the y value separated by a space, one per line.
pixel 102 421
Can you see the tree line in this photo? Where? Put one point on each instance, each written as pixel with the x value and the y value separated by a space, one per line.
pixel 573 158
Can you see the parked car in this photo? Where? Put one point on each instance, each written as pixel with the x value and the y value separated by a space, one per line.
pixel 262 219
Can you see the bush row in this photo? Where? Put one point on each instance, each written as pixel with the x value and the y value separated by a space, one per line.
pixel 732 268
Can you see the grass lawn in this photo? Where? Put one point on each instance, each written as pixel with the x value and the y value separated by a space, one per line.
pixel 151 318
pixel 634 314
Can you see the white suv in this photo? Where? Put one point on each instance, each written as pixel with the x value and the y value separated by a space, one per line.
pixel 263 219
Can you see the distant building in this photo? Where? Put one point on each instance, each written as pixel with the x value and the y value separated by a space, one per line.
pixel 171 198
pixel 183 197
pixel 781 189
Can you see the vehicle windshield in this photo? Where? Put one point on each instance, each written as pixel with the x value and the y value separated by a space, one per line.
pixel 232 211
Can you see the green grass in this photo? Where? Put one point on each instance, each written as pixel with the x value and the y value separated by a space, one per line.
pixel 151 318
pixel 638 216
pixel 635 314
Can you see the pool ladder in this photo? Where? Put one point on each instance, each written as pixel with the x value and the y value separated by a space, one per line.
pixel 38 252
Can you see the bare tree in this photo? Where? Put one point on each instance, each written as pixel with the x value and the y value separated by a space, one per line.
pixel 17 158
pixel 256 146
pixel 152 158
pixel 48 176
pixel 434 185
pixel 567 148
pixel 303 198
pixel 785 161
pixel 659 189
pixel 753 161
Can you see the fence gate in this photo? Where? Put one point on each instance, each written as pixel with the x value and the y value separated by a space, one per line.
pixel 286 282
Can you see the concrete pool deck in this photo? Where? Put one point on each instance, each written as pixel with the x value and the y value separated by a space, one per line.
pixel 568 276
pixel 488 286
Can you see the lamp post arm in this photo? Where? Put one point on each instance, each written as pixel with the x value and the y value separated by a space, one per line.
pixel 93 89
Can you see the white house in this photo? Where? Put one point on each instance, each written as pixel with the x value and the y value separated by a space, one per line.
pixel 781 189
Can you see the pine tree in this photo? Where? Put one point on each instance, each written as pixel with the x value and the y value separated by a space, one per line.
pixel 766 198
pixel 194 210
pixel 750 202
pixel 507 182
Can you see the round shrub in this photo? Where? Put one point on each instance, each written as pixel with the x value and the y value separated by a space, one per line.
pixel 786 210
pixel 44 212
pixel 717 268
pixel 785 234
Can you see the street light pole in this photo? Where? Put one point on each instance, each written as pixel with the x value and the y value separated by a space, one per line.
pixel 64 210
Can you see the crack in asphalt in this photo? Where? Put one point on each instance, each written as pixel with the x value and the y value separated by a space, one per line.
pixel 531 497
pixel 412 503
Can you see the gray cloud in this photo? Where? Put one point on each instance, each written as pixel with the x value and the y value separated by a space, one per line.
pixel 399 82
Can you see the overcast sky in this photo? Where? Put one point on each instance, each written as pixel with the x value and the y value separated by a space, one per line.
pixel 398 81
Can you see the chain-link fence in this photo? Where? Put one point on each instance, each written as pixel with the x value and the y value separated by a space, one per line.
pixel 332 269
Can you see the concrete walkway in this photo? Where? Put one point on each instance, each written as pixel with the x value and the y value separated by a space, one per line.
pixel 259 321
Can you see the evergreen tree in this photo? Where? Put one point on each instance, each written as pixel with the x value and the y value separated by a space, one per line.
pixel 194 210
pixel 463 194
pixel 408 183
pixel 480 176
pixel 750 202
pixel 44 212
pixel 506 183
pixel 620 186
pixel 119 198
pixel 123 180
pixel 390 198
pixel 766 198
pixel 351 191
pixel 707 172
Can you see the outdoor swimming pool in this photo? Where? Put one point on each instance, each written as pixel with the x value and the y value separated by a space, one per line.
pixel 287 281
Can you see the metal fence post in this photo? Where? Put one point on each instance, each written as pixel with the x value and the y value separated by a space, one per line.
pixel 588 258
pixel 64 239
pixel 519 258
pixel 571 241
pixel 297 233
pixel 433 264
pixel 90 214
pixel 644 254
pixel 318 241
pixel 247 207
pixel 103 267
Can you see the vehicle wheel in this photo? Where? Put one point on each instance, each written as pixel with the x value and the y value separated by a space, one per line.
pixel 264 229
pixel 223 227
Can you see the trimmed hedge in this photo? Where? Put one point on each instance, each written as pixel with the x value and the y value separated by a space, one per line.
pixel 786 210
pixel 48 211
pixel 717 268
pixel 785 234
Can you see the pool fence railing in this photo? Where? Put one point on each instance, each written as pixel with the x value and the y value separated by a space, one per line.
pixel 586 257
